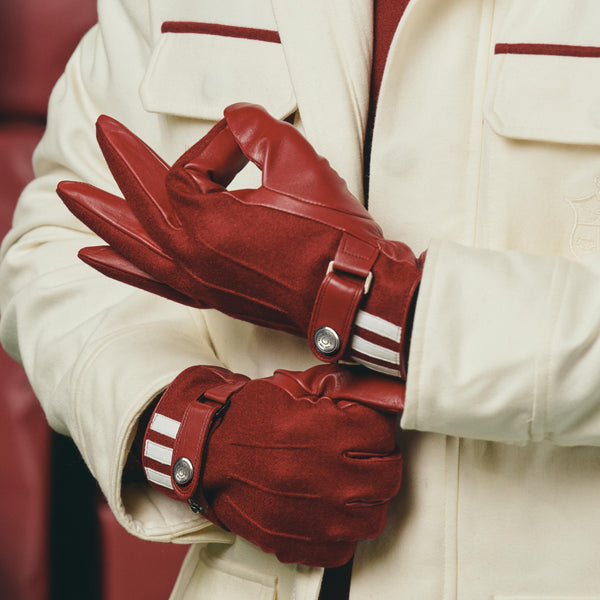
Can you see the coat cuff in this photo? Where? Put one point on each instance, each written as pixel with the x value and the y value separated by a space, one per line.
pixel 480 347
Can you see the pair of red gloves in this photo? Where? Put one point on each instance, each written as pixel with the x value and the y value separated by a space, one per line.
pixel 302 464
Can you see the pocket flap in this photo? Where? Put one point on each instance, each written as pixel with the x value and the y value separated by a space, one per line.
pixel 551 96
pixel 197 75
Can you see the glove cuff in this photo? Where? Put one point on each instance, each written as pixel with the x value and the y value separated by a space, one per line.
pixel 364 306
pixel 383 324
pixel 176 438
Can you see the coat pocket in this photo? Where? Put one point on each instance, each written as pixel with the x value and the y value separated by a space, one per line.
pixel 198 69
pixel 545 92
pixel 206 575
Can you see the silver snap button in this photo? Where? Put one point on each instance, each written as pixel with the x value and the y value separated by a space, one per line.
pixel 183 471
pixel 327 341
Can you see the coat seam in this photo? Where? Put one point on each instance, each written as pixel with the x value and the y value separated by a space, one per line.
pixel 538 425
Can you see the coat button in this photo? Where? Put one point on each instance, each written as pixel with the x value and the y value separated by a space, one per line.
pixel 327 341
pixel 183 471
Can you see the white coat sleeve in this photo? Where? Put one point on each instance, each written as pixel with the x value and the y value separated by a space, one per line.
pixel 506 347
pixel 96 351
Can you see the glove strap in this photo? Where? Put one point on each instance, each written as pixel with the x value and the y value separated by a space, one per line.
pixel 176 440
pixel 348 278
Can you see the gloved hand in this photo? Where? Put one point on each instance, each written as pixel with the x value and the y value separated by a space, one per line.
pixel 302 464
pixel 299 253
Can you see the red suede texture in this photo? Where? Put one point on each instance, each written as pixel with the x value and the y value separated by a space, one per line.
pixel 260 255
pixel 293 465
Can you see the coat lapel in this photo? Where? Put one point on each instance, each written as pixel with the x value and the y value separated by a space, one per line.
pixel 328 48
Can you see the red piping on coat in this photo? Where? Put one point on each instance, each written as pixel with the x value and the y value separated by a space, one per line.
pixel 248 33
pixel 549 50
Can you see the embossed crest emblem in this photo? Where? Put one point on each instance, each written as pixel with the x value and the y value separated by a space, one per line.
pixel 585 236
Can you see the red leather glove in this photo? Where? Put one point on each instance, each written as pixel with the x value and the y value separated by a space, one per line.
pixel 299 253
pixel 301 464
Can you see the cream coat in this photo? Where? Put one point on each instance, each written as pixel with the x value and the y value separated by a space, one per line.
pixel 491 161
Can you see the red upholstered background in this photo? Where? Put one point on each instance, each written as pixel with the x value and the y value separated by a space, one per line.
pixel 58 538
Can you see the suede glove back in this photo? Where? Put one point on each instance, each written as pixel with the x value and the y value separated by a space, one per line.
pixel 299 253
pixel 301 464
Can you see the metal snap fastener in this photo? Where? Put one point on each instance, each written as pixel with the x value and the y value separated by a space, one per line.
pixel 327 341
pixel 183 471
pixel 196 508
